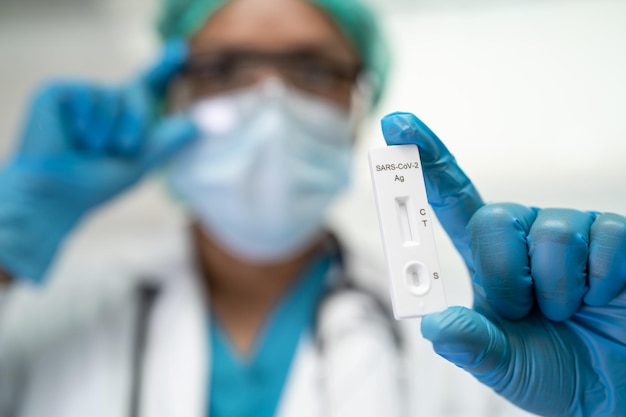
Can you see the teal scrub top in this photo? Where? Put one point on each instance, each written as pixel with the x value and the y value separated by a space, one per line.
pixel 251 386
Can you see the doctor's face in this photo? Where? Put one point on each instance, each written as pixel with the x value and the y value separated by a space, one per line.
pixel 247 41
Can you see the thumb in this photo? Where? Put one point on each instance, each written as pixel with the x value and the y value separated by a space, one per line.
pixel 168 137
pixel 468 340
pixel 450 192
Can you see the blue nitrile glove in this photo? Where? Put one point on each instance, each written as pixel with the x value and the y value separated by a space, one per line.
pixel 80 146
pixel 548 328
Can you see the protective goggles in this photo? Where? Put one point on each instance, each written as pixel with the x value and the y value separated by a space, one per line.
pixel 211 74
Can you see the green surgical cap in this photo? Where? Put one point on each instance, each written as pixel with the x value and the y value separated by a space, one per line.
pixel 182 18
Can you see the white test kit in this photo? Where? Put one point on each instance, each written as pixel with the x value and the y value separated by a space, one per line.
pixel 407 232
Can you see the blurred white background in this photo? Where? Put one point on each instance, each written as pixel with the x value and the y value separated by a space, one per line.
pixel 529 95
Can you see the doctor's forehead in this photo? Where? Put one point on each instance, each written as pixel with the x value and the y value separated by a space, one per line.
pixel 271 25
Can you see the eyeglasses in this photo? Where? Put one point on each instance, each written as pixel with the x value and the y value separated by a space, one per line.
pixel 214 73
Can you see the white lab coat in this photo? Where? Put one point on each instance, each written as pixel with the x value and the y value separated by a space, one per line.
pixel 68 351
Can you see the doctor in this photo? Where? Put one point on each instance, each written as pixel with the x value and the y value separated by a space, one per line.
pixel 201 336
pixel 255 312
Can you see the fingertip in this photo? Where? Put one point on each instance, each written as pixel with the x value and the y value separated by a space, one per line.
pixel 132 124
pixel 439 326
pixel 465 338
pixel 184 127
pixel 100 127
pixel 433 323
pixel 398 128
pixel 500 255
pixel 79 103
pixel 170 61
pixel 402 128
pixel 607 259
pixel 559 253
pixel 176 132
pixel 128 140
pixel 169 137
pixel 175 51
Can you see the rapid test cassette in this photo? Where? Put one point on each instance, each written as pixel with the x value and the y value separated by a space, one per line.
pixel 406 228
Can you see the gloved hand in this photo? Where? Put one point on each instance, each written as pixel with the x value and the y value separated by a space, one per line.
pixel 81 145
pixel 548 327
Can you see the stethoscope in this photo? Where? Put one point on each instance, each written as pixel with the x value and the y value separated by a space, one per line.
pixel 148 292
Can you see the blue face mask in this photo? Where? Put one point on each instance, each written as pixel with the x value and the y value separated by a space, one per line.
pixel 270 162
